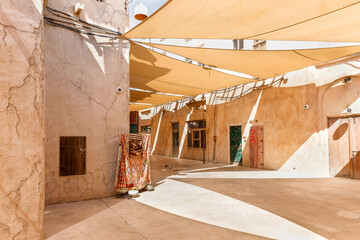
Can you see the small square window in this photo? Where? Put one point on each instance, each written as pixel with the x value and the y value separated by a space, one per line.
pixel 72 156
pixel 197 134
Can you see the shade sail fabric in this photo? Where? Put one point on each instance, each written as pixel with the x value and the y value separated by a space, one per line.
pixel 146 97
pixel 139 107
pixel 305 20
pixel 260 63
pixel 156 72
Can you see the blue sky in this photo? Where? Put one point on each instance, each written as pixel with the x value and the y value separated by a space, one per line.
pixel 152 5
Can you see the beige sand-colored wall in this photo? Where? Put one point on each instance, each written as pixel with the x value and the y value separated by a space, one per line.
pixel 163 136
pixel 81 76
pixel 21 120
pixel 295 138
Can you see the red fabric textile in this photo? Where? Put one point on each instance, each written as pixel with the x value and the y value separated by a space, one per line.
pixel 133 170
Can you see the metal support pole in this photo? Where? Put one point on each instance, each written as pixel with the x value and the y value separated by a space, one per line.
pixel 204 102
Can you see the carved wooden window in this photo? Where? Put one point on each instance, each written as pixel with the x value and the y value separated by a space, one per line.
pixel 197 134
pixel 72 156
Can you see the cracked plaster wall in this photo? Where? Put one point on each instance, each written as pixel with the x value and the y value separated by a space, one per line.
pixel 21 120
pixel 81 76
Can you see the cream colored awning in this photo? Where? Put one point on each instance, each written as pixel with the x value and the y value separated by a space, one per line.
pixel 153 71
pixel 260 63
pixel 153 98
pixel 305 20
pixel 139 107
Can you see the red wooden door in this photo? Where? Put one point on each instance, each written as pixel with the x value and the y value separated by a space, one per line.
pixel 257 147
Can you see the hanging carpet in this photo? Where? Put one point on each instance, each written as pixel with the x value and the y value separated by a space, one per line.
pixel 133 166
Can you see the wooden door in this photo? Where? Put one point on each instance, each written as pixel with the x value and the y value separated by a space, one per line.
pixel 134 121
pixel 235 144
pixel 175 139
pixel 354 126
pixel 339 147
pixel 257 147
pixel 176 143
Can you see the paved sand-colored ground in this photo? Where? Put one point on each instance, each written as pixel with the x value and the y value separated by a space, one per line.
pixel 220 202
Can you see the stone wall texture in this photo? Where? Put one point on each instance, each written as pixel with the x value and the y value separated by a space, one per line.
pixel 81 76
pixel 21 120
pixel 295 138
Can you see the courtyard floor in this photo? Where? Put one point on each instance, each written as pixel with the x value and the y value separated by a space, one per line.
pixel 213 201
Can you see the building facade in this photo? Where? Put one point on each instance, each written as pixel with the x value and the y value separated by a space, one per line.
pixel 60 101
pixel 82 74
pixel 287 123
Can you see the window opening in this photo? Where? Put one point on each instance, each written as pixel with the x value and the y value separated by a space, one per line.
pixel 72 156
pixel 197 134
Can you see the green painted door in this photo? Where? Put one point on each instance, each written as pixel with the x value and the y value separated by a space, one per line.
pixel 133 128
pixel 235 144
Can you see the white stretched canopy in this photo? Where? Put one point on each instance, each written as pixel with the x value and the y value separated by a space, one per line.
pixel 305 20
pixel 260 63
pixel 148 97
pixel 153 71
pixel 139 107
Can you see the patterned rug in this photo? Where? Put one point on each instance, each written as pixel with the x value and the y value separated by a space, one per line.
pixel 133 166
